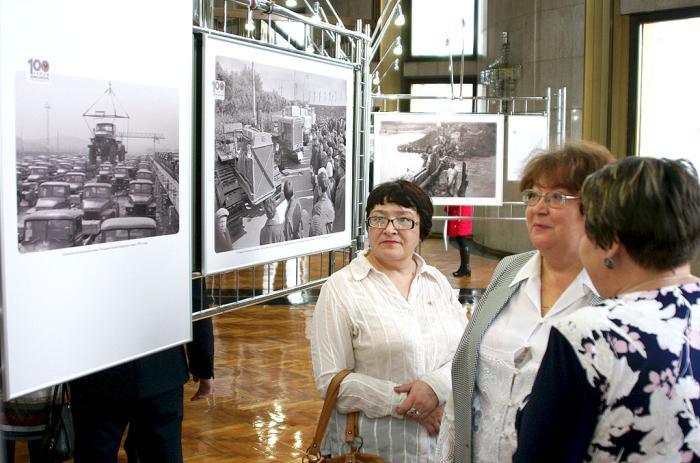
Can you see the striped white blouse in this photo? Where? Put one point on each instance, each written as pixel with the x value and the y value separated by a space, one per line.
pixel 361 322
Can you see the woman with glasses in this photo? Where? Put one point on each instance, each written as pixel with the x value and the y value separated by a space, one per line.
pixel 618 381
pixel 497 359
pixel 395 322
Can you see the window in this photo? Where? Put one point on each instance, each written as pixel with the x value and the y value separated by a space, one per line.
pixel 667 101
pixel 438 105
pixel 433 23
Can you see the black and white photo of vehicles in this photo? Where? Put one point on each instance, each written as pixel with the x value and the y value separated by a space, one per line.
pixel 95 186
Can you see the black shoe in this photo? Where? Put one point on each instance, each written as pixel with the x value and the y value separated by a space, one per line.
pixel 462 272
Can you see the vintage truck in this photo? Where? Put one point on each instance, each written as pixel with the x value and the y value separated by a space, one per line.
pixel 53 195
pixel 141 199
pixel 98 204
pixel 126 228
pixel 52 229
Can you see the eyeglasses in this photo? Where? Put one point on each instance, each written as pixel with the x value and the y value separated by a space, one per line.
pixel 555 199
pixel 399 223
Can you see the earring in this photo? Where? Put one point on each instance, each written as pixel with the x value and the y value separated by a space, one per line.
pixel 609 263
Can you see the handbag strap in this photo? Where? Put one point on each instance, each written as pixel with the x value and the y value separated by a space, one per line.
pixel 328 406
pixel 351 430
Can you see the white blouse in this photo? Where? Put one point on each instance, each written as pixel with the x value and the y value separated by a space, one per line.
pixel 509 357
pixel 362 322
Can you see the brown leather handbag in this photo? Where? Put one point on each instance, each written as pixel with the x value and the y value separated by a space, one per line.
pixel 353 441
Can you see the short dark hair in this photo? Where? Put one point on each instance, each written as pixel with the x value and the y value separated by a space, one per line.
pixel 566 167
pixel 288 190
pixel 269 207
pixel 405 194
pixel 651 206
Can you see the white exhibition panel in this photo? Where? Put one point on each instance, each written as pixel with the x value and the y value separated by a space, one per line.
pixel 401 140
pixel 72 311
pixel 281 72
pixel 527 134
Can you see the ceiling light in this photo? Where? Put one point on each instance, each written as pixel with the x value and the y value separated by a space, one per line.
pixel 398 49
pixel 400 18
pixel 291 3
pixel 249 24
pixel 375 80
pixel 396 64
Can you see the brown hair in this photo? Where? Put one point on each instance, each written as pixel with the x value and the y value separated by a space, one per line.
pixel 651 206
pixel 566 167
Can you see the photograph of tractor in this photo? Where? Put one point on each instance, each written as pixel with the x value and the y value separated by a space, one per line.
pixel 266 119
pixel 104 145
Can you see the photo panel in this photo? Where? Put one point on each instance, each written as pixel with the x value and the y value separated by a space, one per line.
pixel 527 134
pixel 277 169
pixel 456 158
pixel 96 192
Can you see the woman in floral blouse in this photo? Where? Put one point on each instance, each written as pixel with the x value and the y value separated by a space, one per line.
pixel 619 381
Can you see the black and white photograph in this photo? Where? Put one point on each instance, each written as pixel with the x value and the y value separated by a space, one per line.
pixel 455 158
pixel 96 185
pixel 97 162
pixel 281 151
pixel 527 134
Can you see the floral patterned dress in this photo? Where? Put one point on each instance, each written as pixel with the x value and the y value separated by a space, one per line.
pixel 619 382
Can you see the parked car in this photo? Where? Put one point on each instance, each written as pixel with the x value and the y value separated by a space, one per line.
pixel 23 169
pixel 30 193
pixel 38 173
pixel 105 173
pixel 97 205
pixel 53 195
pixel 126 228
pixel 141 199
pixel 144 174
pixel 63 168
pixel 76 181
pixel 121 177
pixel 52 229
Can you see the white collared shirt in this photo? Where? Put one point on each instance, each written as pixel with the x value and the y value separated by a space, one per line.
pixel 509 357
pixel 362 322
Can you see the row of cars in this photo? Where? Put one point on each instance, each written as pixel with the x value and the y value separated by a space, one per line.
pixel 63 228
pixel 69 211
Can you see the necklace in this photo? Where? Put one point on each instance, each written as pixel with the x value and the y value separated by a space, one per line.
pixel 655 280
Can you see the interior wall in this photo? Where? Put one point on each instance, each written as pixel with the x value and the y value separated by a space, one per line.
pixel 547 39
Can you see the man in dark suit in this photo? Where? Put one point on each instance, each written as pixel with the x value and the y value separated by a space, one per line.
pixel 147 395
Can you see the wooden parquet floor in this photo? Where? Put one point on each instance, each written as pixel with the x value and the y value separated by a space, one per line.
pixel 265 405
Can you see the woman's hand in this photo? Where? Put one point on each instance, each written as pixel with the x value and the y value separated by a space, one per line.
pixel 420 402
pixel 432 421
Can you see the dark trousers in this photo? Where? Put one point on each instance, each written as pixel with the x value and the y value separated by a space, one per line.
pixel 34 447
pixel 155 428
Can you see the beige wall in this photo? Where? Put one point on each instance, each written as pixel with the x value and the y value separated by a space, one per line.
pixel 546 37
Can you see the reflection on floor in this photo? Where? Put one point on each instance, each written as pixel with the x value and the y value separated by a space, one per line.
pixel 266 406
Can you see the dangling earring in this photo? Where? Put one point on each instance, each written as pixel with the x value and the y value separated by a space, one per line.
pixel 609 263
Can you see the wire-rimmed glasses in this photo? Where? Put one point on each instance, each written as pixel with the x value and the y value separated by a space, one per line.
pixel 554 199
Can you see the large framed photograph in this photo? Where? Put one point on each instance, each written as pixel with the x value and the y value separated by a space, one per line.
pixel 95 197
pixel 527 134
pixel 456 158
pixel 277 154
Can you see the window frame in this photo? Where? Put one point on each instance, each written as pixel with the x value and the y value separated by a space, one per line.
pixel 636 23
pixel 406 37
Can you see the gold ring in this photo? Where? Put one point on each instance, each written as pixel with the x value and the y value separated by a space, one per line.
pixel 413 412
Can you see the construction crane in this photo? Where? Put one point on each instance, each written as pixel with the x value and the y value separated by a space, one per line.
pixel 106 141
pixel 148 135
